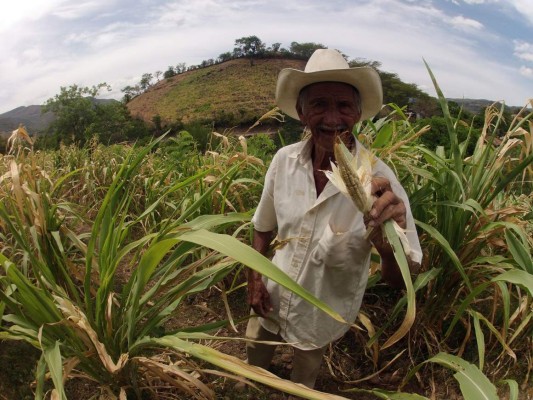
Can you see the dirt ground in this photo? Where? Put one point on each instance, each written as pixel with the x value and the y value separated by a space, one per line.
pixel 345 361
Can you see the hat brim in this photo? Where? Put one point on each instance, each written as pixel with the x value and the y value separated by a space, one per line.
pixel 365 79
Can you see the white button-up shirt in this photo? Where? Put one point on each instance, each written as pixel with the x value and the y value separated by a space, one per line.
pixel 324 249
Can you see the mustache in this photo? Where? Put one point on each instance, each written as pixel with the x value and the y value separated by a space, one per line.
pixel 337 128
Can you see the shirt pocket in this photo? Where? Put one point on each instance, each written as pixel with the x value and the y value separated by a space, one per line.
pixel 333 249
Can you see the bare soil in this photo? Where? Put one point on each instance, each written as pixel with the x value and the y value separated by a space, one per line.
pixel 346 361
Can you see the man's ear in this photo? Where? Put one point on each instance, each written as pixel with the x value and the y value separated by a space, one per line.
pixel 300 113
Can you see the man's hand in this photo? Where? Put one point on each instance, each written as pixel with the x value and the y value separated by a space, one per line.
pixel 258 296
pixel 386 206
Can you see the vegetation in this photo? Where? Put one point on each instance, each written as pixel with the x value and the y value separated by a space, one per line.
pixel 79 117
pixel 207 92
pixel 61 290
pixel 102 245
pixel 209 95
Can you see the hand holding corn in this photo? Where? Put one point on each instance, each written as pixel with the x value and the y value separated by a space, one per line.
pixel 383 211
pixel 387 206
pixel 374 197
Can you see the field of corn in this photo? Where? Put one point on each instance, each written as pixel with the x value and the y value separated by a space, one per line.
pixel 102 248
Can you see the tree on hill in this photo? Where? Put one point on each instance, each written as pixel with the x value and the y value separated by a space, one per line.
pixel 250 47
pixel 275 48
pixel 169 73
pixel 225 56
pixel 74 109
pixel 130 92
pixel 180 68
pixel 305 50
pixel 79 116
pixel 400 93
pixel 146 81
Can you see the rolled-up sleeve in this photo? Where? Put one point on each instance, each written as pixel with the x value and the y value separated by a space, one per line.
pixel 264 218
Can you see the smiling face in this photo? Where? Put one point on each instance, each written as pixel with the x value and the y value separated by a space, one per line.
pixel 328 109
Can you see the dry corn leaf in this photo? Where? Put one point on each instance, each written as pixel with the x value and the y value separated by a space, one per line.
pixel 74 315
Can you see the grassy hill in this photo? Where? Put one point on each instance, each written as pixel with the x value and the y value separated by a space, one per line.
pixel 233 92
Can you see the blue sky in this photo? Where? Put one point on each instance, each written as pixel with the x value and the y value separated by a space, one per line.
pixel 476 48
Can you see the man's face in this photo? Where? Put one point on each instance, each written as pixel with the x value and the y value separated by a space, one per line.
pixel 327 109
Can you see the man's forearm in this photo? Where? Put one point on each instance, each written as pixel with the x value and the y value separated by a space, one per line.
pixel 261 243
pixel 258 296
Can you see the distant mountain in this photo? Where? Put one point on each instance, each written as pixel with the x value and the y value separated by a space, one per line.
pixel 476 105
pixel 30 117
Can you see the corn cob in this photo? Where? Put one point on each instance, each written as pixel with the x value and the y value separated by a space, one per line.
pixel 353 184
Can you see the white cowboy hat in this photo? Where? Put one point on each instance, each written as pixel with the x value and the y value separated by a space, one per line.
pixel 328 65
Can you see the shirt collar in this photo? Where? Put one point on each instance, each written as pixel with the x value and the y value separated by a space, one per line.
pixel 303 151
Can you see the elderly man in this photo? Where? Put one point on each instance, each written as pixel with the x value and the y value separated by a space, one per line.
pixel 325 249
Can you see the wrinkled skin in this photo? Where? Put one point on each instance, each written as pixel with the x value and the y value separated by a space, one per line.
pixel 329 109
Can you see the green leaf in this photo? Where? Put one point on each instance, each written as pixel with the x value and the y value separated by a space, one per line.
pixel 401 259
pixel 513 388
pixel 495 332
pixel 246 255
pixel 52 356
pixel 209 222
pixel 40 373
pixel 238 367
pixel 383 136
pixel 387 395
pixel 506 303
pixel 520 254
pixel 424 278
pixel 441 240
pixel 517 277
pixel 457 160
pixel 148 263
pixel 473 383
pixel 480 340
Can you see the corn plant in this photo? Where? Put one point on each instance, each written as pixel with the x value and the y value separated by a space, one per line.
pixel 70 304
pixel 474 218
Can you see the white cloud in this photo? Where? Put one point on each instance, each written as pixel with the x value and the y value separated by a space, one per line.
pixel 108 35
pixel 76 10
pixel 476 1
pixel 523 50
pixel 14 12
pixel 526 71
pixel 463 23
pixel 524 7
